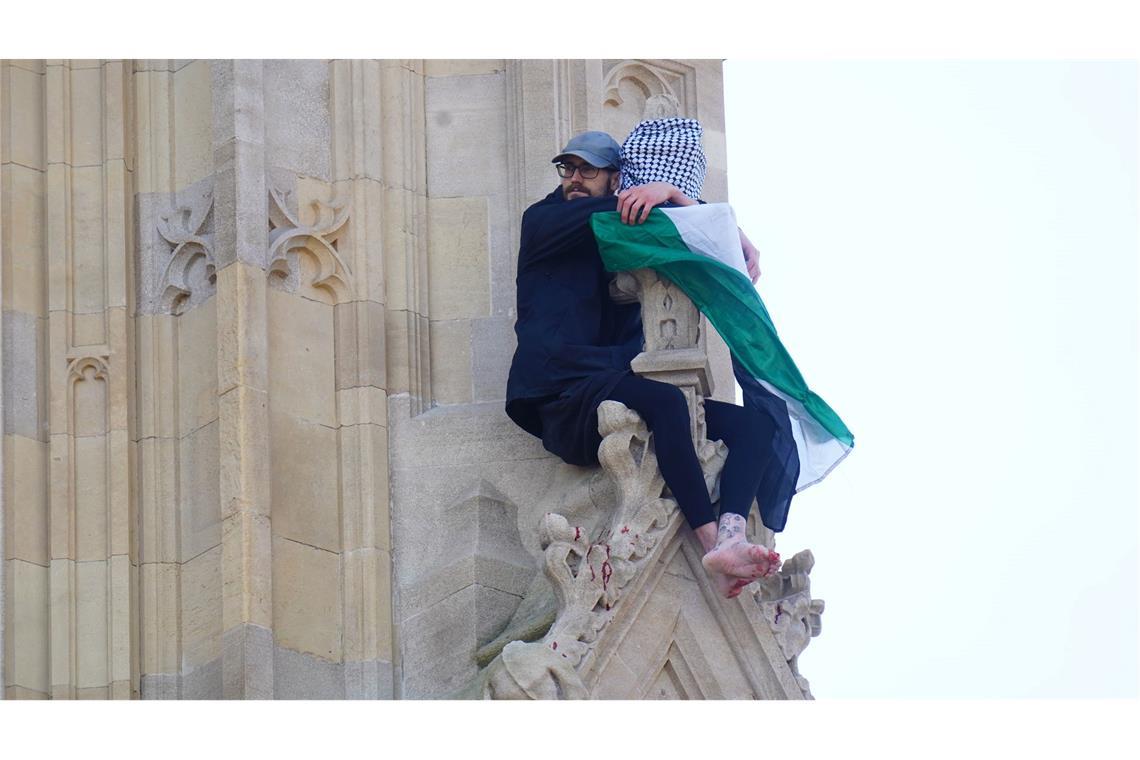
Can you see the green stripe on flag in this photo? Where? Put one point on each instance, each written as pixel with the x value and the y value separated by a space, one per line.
pixel 723 294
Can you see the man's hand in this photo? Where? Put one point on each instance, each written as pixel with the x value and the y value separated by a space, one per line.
pixel 636 202
pixel 751 256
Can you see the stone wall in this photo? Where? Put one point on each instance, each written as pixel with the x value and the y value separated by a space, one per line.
pixel 257 319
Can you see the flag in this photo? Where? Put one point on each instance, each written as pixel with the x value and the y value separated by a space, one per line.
pixel 698 249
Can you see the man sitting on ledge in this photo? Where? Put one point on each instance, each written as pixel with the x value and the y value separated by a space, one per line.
pixel 574 350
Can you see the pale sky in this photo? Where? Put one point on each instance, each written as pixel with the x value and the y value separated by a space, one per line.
pixel 949 252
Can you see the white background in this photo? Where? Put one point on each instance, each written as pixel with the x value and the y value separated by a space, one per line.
pixel 949 253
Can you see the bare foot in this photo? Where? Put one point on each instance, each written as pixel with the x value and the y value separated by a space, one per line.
pixel 733 563
pixel 742 560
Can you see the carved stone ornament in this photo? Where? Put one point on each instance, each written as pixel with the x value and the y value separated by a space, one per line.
pixel 189 277
pixel 794 617
pixel 79 363
pixel 289 238
pixel 658 84
pixel 588 573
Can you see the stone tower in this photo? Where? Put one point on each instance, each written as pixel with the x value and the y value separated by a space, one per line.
pixel 257 319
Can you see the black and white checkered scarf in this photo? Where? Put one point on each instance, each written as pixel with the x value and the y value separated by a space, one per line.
pixel 665 150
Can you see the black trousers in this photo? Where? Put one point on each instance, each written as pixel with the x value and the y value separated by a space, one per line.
pixel 745 431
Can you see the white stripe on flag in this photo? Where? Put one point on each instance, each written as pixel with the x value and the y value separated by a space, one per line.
pixel 818 450
pixel 710 229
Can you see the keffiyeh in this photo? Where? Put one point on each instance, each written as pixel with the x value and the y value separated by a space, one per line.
pixel 665 150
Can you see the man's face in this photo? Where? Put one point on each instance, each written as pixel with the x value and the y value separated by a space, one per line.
pixel 577 186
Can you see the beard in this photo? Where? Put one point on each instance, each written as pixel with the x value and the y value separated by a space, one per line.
pixel 575 189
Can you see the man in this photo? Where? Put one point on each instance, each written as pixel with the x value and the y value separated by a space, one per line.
pixel 575 345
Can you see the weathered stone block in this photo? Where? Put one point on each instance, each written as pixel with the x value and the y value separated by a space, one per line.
pixel 438 646
pixel 193 107
pixel 122 656
pixel 301 357
pixel 404 246
pixel 493 343
pixel 371 679
pixel 308 617
pixel 121 485
pixel 55 148
pixel 201 609
pixel 464 120
pixel 25 391
pixel 91 528
pixel 89 329
pixel 92 637
pixel 153 115
pixel 297 124
pixel 89 404
pixel 362 405
pixel 451 361
pixel 247 569
pixel 356 120
pixel 367 605
pixel 26 627
pixel 25 499
pixel 458 275
pixel 157 500
pixel 23 125
pixel 303 676
pixel 247 662
pixel 86 116
pixel 197 373
pixel 159 629
pixel 363 451
pixel 493 609
pixel 163 686
pixel 407 365
pixel 86 201
pixel 243 439
pixel 204 682
pixel 199 511
pixel 360 344
pixel 22 205
pixel 303 487
pixel 241 315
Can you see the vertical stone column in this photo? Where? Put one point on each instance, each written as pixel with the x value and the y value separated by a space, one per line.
pixel 675 343
pixel 243 469
pixel 402 156
pixel 176 431
pixel 368 121
pixel 93 561
pixel 23 324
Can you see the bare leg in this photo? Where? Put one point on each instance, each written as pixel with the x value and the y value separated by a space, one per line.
pixel 730 560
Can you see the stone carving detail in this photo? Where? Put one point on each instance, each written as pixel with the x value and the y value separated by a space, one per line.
pixel 189 278
pixel 662 106
pixel 289 237
pixel 794 617
pixel 588 573
pixel 674 347
pixel 77 365
pixel 652 79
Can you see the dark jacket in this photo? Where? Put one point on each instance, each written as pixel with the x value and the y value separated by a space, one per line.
pixel 574 342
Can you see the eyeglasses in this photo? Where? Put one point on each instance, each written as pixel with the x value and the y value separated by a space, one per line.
pixel 566 171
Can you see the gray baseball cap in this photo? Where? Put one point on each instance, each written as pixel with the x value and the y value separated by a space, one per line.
pixel 598 148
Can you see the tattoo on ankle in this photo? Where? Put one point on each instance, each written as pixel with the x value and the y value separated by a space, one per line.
pixel 731 526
